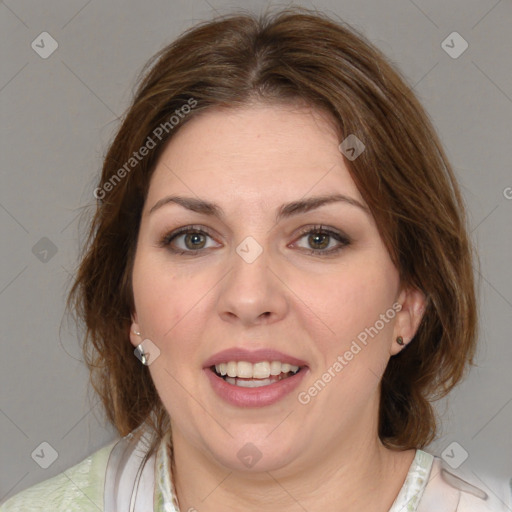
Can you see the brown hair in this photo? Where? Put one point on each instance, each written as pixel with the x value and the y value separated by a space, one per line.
pixel 403 175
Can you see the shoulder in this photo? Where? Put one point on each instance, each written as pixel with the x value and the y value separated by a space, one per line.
pixel 79 488
pixel 464 491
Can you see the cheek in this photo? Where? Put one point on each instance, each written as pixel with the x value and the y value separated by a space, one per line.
pixel 170 307
pixel 158 298
pixel 350 301
pixel 356 355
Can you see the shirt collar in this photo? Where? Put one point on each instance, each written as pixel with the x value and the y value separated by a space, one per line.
pixel 416 480
pixel 165 499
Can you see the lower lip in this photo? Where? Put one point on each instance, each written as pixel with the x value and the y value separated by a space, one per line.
pixel 254 397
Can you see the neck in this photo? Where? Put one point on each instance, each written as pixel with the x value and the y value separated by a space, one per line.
pixel 357 475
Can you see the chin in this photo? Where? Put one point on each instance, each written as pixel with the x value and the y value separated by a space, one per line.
pixel 253 455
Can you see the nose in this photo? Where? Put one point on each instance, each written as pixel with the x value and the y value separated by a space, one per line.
pixel 253 292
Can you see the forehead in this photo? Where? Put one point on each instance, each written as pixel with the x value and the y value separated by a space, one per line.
pixel 258 152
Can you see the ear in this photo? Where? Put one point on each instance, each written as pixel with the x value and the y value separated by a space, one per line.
pixel 135 339
pixel 413 304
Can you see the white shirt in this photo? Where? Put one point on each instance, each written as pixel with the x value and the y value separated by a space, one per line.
pixel 122 478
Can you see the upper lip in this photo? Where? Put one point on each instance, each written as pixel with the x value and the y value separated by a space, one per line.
pixel 252 356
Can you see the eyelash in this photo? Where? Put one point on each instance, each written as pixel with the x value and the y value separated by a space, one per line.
pixel 317 229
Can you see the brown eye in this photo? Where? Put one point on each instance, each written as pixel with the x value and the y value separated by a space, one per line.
pixel 318 240
pixel 324 241
pixel 194 240
pixel 187 240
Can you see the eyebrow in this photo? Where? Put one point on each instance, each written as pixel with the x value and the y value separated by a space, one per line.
pixel 285 211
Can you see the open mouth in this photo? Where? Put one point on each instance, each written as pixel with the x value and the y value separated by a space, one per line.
pixel 254 382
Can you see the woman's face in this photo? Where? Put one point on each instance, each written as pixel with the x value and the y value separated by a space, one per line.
pixel 245 277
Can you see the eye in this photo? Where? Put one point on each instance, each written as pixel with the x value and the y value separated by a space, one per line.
pixel 187 240
pixel 322 240
pixel 190 240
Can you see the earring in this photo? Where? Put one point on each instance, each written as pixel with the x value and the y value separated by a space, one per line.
pixel 139 351
pixel 400 340
pixel 141 355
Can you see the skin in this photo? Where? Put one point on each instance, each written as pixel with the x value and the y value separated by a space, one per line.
pixel 325 455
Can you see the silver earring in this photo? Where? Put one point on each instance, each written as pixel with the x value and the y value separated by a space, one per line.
pixel 141 355
pixel 137 333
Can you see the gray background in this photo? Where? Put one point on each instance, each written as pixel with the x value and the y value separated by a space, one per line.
pixel 58 115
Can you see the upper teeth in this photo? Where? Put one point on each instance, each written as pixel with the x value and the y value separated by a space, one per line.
pixel 261 370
